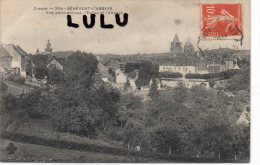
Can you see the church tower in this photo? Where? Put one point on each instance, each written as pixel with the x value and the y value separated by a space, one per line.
pixel 176 45
pixel 48 48
pixel 188 47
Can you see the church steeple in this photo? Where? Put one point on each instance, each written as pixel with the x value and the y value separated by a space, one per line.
pixel 48 47
pixel 188 47
pixel 176 38
pixel 176 45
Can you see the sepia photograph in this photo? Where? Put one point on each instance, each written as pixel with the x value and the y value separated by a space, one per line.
pixel 107 81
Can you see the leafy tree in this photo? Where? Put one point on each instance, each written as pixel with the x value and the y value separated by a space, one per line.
pixel 127 85
pixel 80 69
pixel 105 113
pixel 165 138
pixel 240 81
pixel 146 71
pixel 11 148
pixel 3 87
pixel 129 67
pixel 128 106
pixel 34 103
pixel 218 138
pixel 130 102
pixel 55 76
pixel 122 116
pixel 180 94
pixel 153 92
pixel 242 142
pixel 75 120
pixel 212 83
pixel 40 71
pixel 133 132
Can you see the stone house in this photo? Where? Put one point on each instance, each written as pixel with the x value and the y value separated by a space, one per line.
pixel 179 69
pixel 56 63
pixel 120 77
pixel 19 58
pixel 5 60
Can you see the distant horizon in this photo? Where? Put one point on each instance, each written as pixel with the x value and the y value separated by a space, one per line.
pixel 144 53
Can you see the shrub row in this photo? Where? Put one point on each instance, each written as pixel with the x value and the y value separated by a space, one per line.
pixel 97 148
pixel 17 79
pixel 220 75
pixel 170 75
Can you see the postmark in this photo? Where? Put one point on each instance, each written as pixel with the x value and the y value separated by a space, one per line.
pixel 221 21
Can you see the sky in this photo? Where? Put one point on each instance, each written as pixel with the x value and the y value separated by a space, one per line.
pixel 151 26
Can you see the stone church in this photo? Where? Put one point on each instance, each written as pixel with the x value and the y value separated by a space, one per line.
pixel 176 46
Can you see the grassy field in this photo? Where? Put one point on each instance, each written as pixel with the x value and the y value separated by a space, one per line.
pixel 38 153
pixel 14 88
pixel 43 128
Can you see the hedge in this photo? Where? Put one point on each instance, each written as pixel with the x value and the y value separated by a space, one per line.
pixel 170 75
pixel 219 75
pixel 97 148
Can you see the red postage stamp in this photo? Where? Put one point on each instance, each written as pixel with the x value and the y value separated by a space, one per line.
pixel 222 21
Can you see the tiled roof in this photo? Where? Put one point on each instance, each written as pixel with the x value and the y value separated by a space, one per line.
pixel 40 59
pixel 10 48
pixel 62 61
pixel 188 44
pixel 46 59
pixel 20 50
pixel 3 52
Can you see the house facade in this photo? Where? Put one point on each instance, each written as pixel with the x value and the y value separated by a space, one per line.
pixel 179 69
pixel 120 77
pixel 55 63
pixel 19 57
pixel 5 60
pixel 187 83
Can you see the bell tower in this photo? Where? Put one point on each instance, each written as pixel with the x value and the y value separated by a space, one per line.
pixel 48 48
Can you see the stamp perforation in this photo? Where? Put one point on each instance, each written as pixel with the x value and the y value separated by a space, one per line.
pixel 221 37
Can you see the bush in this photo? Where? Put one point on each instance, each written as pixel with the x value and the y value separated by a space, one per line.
pixel 97 148
pixel 170 75
pixel 3 87
pixel 75 120
pixel 17 79
pixel 220 75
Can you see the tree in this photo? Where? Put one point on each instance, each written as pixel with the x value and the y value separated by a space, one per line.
pixel 3 87
pixel 75 120
pixel 218 138
pixel 40 71
pixel 212 83
pixel 180 94
pixel 11 148
pixel 128 106
pixel 133 132
pixel 127 85
pixel 241 81
pixel 146 71
pixel 242 142
pixel 153 92
pixel 165 138
pixel 122 116
pixel 55 76
pixel 80 69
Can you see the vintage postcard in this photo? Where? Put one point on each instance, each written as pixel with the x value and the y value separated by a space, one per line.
pixel 151 81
